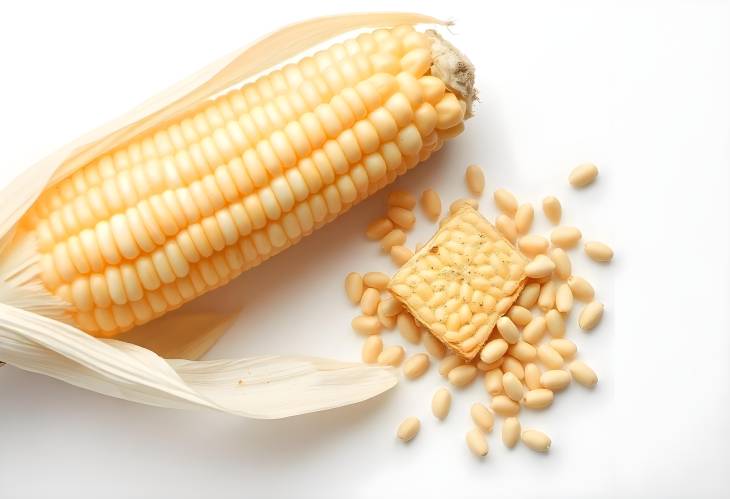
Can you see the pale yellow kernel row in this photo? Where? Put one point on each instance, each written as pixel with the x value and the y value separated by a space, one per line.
pixel 213 271
pixel 254 166
pixel 130 231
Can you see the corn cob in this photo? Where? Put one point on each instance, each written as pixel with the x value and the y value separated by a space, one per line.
pixel 184 209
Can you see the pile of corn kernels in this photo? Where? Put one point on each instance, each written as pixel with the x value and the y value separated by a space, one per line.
pixel 521 365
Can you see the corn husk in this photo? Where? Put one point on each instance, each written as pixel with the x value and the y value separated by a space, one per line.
pixel 259 387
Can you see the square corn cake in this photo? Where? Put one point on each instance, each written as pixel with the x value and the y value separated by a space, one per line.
pixel 464 279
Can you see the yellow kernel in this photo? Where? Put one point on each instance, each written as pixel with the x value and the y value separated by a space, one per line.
pixel 506 202
pixel 536 440
pixel 475 179
pixel 523 218
pixel 431 204
pixel 366 324
pixel 378 229
pixel 511 431
pixel 598 252
pixel 539 398
pixel 395 237
pixel 463 375
pixel 441 403
pixel 583 374
pixel 408 429
pixel 583 175
pixel 402 199
pixel 392 356
pixel 369 301
pixel 565 237
pixel 401 217
pixel 477 442
pixel 552 209
pixel 415 366
pixel 590 316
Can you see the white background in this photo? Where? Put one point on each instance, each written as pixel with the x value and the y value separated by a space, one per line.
pixel 639 88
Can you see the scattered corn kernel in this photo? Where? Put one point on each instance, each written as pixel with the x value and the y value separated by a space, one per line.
pixel 504 406
pixel 371 349
pixel 546 300
pixel 555 323
pixel 400 255
pixel 511 431
pixel 395 237
pixel 523 351
pixel 529 295
pixel 475 179
pixel 564 298
pixel 431 204
pixel 408 328
pixel 401 217
pixel 521 316
pixel 463 375
pixel 482 417
pixel 512 386
pixel 563 267
pixel 392 356
pixel 583 175
pixel 539 398
pixel 514 366
pixel 582 289
pixel 506 202
pixel 493 350
pixel 523 218
pixel 532 376
pixel 416 365
pixel 354 287
pixel 378 229
pixel 536 440
pixel 564 347
pixel 555 379
pixel 402 199
pixel 369 301
pixel 590 316
pixel 549 356
pixel 377 280
pixel 493 382
pixel 477 442
pixel 583 374
pixel 565 237
pixel 508 330
pixel 598 252
pixel 535 330
pixel 408 429
pixel 552 209
pixel 366 324
pixel 441 403
pixel 532 245
pixel 540 266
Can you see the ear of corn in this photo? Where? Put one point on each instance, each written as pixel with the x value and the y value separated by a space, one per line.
pixel 186 208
